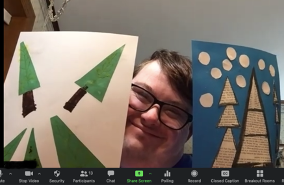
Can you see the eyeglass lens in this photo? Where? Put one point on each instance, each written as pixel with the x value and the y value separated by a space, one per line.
pixel 171 116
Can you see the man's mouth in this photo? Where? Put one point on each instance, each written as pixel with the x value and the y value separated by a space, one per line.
pixel 145 130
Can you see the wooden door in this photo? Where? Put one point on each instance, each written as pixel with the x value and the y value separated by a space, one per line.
pixel 23 18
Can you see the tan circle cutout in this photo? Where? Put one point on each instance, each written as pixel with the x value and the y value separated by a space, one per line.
pixel 265 88
pixel 244 61
pixel 204 58
pixel 261 64
pixel 272 70
pixel 231 53
pixel 216 73
pixel 206 100
pixel 241 81
pixel 227 65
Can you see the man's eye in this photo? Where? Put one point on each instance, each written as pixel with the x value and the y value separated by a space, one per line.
pixel 143 95
pixel 173 112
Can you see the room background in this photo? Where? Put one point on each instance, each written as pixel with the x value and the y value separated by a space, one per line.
pixel 173 24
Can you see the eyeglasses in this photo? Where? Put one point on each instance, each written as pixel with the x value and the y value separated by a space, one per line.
pixel 171 116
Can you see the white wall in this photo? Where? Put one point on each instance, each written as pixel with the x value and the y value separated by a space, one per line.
pixel 172 24
pixel 40 9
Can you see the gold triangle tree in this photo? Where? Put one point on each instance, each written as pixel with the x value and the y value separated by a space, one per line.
pixel 253 148
pixel 228 120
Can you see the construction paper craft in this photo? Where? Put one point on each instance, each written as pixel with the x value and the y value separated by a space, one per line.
pixel 68 145
pixel 31 151
pixel 238 90
pixel 97 80
pixel 28 81
pixel 281 125
pixel 10 149
pixel 92 135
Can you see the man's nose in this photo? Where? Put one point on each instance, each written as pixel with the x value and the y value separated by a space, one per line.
pixel 151 117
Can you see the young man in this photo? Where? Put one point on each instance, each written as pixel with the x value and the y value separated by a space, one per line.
pixel 159 115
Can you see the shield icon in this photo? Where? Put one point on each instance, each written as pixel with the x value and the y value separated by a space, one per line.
pixel 56 173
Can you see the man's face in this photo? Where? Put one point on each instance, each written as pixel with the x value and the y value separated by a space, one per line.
pixel 146 139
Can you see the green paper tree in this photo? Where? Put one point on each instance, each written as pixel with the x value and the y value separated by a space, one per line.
pixel 10 148
pixel 71 152
pixel 31 152
pixel 96 81
pixel 28 81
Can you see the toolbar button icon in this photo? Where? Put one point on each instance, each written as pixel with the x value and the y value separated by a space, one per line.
pixel 194 173
pixel 110 173
pixel 259 173
pixel 139 173
pixel 29 173
pixel 56 173
pixel 84 174
pixel 167 174
pixel 225 173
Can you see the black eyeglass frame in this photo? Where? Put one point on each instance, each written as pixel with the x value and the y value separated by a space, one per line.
pixel 161 104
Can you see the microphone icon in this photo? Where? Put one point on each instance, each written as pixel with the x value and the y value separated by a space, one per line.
pixel 1 173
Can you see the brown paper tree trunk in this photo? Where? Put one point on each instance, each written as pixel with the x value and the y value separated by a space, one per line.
pixel 73 101
pixel 28 103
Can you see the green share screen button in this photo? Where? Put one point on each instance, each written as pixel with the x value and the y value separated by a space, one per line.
pixel 138 173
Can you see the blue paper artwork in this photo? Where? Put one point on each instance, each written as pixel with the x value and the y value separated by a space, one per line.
pixel 236 106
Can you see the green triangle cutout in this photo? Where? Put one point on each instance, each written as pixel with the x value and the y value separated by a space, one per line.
pixel 10 148
pixel 31 152
pixel 71 152
pixel 28 80
pixel 98 79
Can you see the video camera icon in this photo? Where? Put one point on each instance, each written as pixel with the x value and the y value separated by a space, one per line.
pixel 139 173
pixel 29 173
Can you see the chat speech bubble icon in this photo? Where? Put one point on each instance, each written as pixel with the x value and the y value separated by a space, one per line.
pixel 110 173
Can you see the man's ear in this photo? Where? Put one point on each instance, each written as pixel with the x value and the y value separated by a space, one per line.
pixel 190 132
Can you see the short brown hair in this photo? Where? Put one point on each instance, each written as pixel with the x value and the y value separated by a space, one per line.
pixel 176 67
